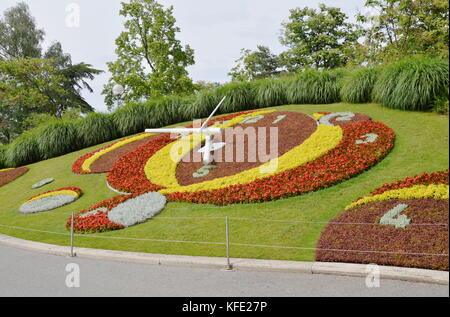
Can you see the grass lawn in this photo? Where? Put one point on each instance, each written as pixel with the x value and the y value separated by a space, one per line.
pixel 421 145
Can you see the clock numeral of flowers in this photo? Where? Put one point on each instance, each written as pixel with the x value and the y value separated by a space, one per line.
pixel 203 171
pixel 279 119
pixel 393 217
pixel 367 138
pixel 253 119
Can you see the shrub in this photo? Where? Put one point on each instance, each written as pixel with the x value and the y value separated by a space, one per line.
pixel 240 97
pixel 3 157
pixel 58 138
pixel 96 128
pixel 133 118
pixel 170 110
pixel 270 92
pixel 441 105
pixel 314 87
pixel 204 104
pixel 23 150
pixel 413 83
pixel 357 86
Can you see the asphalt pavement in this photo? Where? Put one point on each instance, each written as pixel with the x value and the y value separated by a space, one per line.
pixel 26 273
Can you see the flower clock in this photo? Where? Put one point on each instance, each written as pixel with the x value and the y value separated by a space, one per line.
pixel 258 156
pixel 50 200
pixel 404 223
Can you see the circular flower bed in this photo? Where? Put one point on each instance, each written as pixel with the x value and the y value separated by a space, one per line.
pixel 9 174
pixel 118 212
pixel 50 200
pixel 404 223
pixel 339 146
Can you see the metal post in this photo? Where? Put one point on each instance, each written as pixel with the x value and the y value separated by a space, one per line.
pixel 71 236
pixel 227 232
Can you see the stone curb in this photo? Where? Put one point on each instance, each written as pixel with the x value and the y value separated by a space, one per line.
pixel 344 269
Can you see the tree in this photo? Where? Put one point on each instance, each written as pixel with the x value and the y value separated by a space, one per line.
pixel 151 61
pixel 41 86
pixel 19 36
pixel 403 27
pixel 255 65
pixel 33 81
pixel 317 39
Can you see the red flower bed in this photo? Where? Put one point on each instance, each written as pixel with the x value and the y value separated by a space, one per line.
pixel 440 177
pixel 98 222
pixel 346 160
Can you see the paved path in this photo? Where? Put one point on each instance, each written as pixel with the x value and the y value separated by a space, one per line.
pixel 25 273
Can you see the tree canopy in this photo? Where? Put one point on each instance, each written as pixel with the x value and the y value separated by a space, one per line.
pixel 317 38
pixel 258 64
pixel 151 61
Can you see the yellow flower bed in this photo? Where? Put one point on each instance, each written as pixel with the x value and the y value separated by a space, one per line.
pixel 160 169
pixel 317 115
pixel 54 193
pixel 435 191
pixel 163 173
pixel 86 166
pixel 6 169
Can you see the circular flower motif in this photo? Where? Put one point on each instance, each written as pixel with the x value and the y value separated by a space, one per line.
pixel 345 146
pixel 50 200
pixel 118 212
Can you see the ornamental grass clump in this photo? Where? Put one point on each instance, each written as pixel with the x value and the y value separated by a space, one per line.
pixel 96 128
pixel 23 150
pixel 314 87
pixel 240 97
pixel 357 86
pixel 413 83
pixel 58 138
pixel 203 104
pixel 270 92
pixel 170 110
pixel 3 157
pixel 132 118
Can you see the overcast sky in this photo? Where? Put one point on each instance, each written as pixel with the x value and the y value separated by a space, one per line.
pixel 216 30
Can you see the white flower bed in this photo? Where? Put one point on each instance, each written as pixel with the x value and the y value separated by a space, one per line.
pixel 42 183
pixel 138 209
pixel 92 212
pixel 46 203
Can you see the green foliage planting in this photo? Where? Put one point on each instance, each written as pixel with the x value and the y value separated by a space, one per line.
pixel 240 96
pixel 2 157
pixel 23 150
pixel 314 87
pixel 271 92
pixel 132 118
pixel 413 83
pixel 59 138
pixel 96 128
pixel 358 85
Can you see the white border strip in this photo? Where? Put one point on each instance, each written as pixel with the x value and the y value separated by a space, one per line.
pixel 345 269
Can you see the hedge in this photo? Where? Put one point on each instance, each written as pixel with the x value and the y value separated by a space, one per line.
pixel 413 83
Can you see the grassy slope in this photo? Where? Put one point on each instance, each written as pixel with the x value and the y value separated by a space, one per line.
pixel 422 145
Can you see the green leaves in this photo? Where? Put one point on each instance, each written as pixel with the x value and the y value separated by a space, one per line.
pixel 316 39
pixel 413 83
pixel 314 87
pixel 358 85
